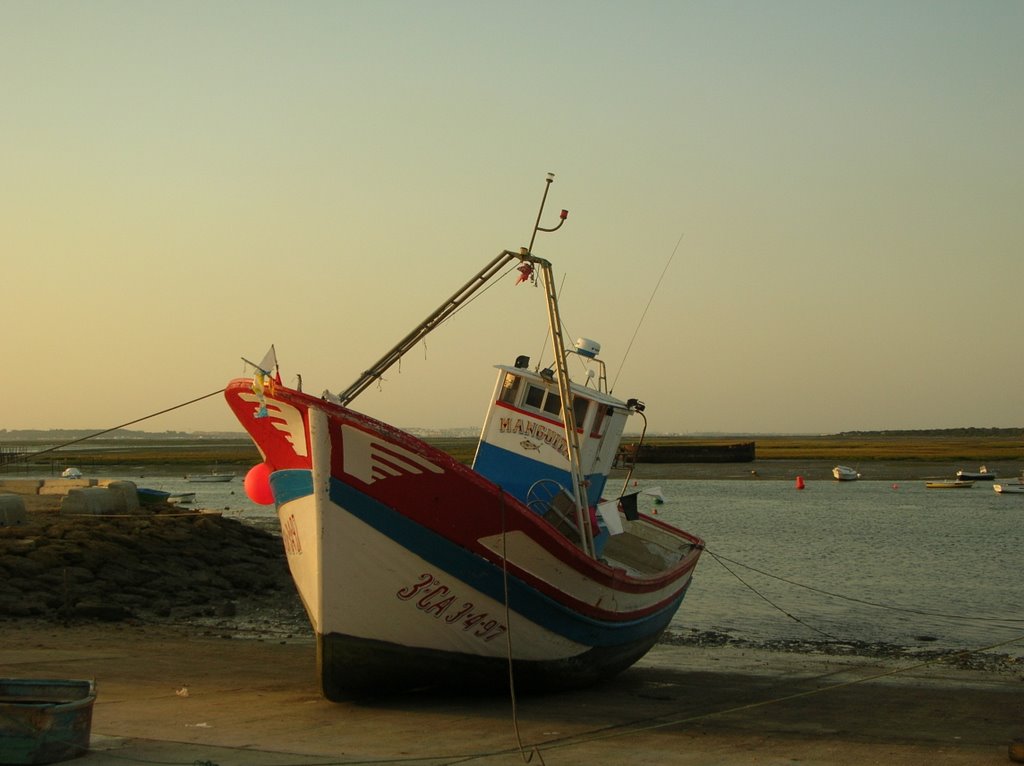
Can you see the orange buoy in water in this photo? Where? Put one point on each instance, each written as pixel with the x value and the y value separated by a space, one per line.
pixel 799 482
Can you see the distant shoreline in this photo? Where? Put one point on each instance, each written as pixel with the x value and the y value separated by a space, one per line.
pixel 875 456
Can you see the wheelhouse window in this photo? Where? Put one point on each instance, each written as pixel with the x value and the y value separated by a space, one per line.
pixel 600 419
pixel 534 397
pixel 579 409
pixel 543 400
pixel 553 404
pixel 510 388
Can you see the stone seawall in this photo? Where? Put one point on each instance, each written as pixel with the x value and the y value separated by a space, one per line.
pixel 155 566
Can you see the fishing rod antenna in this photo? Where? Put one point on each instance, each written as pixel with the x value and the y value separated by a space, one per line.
pixel 537 227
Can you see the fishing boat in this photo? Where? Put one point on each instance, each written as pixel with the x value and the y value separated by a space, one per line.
pixel 951 484
pixel 524 569
pixel 845 473
pixel 982 474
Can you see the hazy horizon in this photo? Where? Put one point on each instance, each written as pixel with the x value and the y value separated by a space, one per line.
pixel 813 207
pixel 471 432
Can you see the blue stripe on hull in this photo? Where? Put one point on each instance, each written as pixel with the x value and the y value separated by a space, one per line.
pixel 507 469
pixel 478 572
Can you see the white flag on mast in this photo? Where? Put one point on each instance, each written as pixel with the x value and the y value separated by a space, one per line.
pixel 269 363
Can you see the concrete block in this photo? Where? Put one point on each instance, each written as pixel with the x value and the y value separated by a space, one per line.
pixel 92 501
pixel 12 511
pixel 129 493
pixel 63 486
pixel 21 486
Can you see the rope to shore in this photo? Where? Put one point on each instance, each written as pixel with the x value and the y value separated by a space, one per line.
pixel 922 612
pixel 652 724
pixel 124 425
pixel 526 757
pixel 760 595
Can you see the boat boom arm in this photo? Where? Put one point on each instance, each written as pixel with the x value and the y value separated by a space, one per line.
pixel 429 324
pixel 450 306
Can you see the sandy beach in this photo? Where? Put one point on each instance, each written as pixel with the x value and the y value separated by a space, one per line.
pixel 184 695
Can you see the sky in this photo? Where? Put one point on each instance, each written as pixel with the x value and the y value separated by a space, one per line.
pixel 790 217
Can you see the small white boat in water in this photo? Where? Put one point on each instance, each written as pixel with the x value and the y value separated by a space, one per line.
pixel 982 474
pixel 181 498
pixel 845 473
pixel 1009 489
pixel 71 473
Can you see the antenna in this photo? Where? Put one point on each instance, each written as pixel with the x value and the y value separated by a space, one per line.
pixel 537 227
pixel 644 314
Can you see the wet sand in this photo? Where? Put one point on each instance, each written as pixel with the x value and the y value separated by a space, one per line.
pixel 256 703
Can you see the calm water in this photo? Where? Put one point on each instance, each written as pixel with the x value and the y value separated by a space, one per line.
pixel 953 554
pixel 946 563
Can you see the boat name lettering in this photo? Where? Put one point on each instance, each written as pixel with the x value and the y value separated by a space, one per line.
pixel 432 597
pixel 553 437
pixel 290 536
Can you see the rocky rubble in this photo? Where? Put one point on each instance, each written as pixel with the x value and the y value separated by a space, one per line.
pixel 965 659
pixel 157 566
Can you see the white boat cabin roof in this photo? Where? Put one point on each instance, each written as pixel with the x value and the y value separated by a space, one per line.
pixel 544 381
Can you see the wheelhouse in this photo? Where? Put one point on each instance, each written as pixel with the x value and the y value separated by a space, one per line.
pixel 523 438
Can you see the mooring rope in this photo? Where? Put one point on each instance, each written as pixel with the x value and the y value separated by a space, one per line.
pixel 771 603
pixel 616 731
pixel 527 757
pixel 923 612
pixel 124 425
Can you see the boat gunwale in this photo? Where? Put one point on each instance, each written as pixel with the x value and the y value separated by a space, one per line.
pixel 544 533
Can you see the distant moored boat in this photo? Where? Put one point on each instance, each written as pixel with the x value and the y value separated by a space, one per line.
pixel 982 474
pixel 1009 489
pixel 845 473
pixel 209 477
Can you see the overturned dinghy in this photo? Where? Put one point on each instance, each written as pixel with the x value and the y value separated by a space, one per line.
pixel 417 570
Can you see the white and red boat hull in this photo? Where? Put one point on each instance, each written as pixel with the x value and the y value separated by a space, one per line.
pixel 416 570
